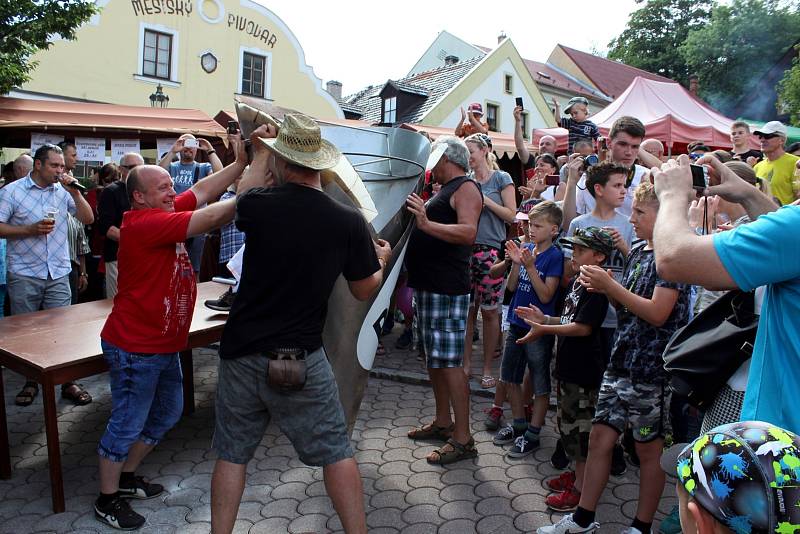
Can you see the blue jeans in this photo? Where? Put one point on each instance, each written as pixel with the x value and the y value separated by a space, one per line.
pixel 2 298
pixel 146 399
pixel 28 294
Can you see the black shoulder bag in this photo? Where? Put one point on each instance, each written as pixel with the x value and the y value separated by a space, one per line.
pixel 704 354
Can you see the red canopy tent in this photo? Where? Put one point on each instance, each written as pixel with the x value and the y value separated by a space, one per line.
pixel 669 112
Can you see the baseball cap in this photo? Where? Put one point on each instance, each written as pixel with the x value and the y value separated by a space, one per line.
pixel 437 151
pixel 745 474
pixel 772 127
pixel 573 101
pixel 592 237
pixel 475 108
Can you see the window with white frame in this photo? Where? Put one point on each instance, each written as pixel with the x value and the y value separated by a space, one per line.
pixel 254 69
pixel 389 110
pixel 157 55
pixel 508 83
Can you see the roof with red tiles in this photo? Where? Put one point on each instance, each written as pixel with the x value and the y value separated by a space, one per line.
pixel 611 77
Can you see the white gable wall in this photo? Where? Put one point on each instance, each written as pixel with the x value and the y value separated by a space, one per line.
pixel 491 91
pixel 445 44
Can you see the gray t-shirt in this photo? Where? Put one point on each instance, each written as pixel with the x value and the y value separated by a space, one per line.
pixel 491 228
pixel 617 261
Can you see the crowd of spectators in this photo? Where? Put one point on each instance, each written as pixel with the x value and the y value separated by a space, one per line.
pixel 593 259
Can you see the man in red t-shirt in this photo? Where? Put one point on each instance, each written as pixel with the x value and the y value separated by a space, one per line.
pixel 149 324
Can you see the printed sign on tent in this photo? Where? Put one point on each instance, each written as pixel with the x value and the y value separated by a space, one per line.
pixel 39 139
pixel 120 147
pixel 164 145
pixel 90 148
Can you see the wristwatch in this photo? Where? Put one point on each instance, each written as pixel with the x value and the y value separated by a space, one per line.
pixel 209 152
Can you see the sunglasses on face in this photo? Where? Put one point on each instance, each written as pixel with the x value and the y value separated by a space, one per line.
pixel 767 136
pixel 128 167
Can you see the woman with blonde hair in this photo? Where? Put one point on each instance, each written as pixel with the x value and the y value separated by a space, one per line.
pixel 499 209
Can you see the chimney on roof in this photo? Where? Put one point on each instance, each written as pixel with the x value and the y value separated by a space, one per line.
pixel 335 89
pixel 450 60
pixel 501 37
pixel 694 84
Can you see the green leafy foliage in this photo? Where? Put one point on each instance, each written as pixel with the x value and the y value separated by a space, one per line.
pixel 27 26
pixel 789 92
pixel 655 31
pixel 741 42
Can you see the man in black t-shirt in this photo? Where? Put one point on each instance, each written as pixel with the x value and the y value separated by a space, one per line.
pixel 272 364
pixel 580 360
pixel 112 204
pixel 740 139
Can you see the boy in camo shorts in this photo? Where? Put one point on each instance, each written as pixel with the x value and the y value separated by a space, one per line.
pixel 580 359
pixel 634 390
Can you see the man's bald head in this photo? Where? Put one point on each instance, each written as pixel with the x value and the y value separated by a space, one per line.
pixel 143 179
pixel 22 166
pixel 128 162
pixel 547 145
pixel 654 147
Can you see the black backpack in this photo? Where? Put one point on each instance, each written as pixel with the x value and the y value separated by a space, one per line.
pixel 704 354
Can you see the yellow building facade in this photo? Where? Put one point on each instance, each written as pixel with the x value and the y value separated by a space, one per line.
pixel 202 52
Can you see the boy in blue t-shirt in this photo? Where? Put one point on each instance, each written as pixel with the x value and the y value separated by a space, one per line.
pixel 535 277
pixel 577 124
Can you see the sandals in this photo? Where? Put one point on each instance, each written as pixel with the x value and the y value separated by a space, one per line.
pixel 76 393
pixel 432 431
pixel 27 394
pixel 453 451
pixel 488 382
pixel 381 350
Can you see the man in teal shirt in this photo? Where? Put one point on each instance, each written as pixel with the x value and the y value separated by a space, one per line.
pixel 765 252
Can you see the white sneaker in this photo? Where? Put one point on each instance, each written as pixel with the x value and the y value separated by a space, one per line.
pixel 567 526
pixel 631 530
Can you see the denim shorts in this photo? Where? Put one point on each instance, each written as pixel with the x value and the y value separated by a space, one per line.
pixel 312 418
pixel 535 356
pixel 146 399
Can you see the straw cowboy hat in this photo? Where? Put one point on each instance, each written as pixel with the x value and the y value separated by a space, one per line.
pixel 300 142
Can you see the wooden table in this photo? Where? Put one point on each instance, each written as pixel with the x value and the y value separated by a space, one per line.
pixel 63 344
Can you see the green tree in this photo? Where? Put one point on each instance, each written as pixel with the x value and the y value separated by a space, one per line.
pixel 28 26
pixel 655 31
pixel 789 91
pixel 739 45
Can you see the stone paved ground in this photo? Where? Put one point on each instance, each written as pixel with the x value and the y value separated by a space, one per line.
pixel 403 493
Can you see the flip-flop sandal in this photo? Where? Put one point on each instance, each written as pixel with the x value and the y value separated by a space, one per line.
pixel 381 350
pixel 453 451
pixel 431 431
pixel 488 382
pixel 80 397
pixel 27 394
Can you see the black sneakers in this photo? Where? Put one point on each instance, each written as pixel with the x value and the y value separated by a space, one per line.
pixel 118 514
pixel 139 489
pixel 223 303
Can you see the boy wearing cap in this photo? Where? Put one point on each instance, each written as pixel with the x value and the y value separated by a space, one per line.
pixel 535 277
pixel 778 166
pixel 740 477
pixel 634 390
pixel 580 360
pixel 577 123
pixel 470 122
